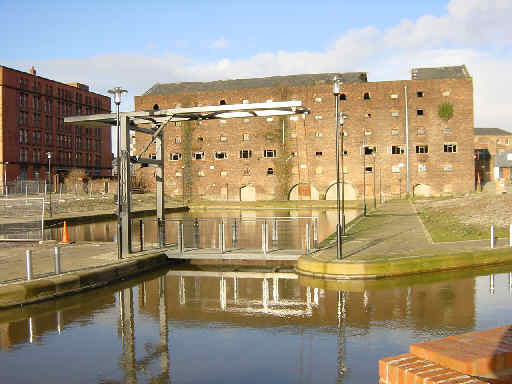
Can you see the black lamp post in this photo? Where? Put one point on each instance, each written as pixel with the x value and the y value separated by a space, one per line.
pixel 117 92
pixel 374 155
pixel 49 155
pixel 336 92
pixel 364 176
pixel 5 163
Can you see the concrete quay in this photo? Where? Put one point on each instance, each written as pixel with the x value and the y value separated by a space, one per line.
pixel 392 241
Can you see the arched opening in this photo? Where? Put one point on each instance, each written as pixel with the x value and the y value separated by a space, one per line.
pixel 350 192
pixel 422 190
pixel 303 191
pixel 248 193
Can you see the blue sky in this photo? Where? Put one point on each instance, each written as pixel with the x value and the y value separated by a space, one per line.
pixel 135 44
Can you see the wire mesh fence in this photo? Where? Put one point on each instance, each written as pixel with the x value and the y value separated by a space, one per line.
pixel 22 219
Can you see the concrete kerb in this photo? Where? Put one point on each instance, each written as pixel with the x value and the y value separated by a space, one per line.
pixel 48 288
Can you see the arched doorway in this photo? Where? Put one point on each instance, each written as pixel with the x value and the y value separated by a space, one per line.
pixel 248 193
pixel 303 191
pixel 350 192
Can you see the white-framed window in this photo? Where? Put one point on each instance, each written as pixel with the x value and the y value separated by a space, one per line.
pixel 318 134
pixel 446 93
pixel 177 140
pixel 223 173
pixel 367 132
pixel 395 132
pixel 318 99
pixel 200 173
pixel 422 149
pixel 447 168
pixel 245 154
pixel 395 113
pixel 175 156
pixel 269 153
pixel 152 156
pixel 223 138
pixel 422 167
pixel 450 148
pixel 420 131
pixel 395 169
pixel 221 155
pixel 198 156
pixel 318 117
pixel 245 137
pixel 270 171
pixel 394 96
pixel 397 149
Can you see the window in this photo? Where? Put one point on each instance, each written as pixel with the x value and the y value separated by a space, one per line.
pixel 269 153
pixel 367 132
pixel 446 93
pixel 245 154
pixel 368 150
pixel 419 93
pixel 368 115
pixel 368 169
pixel 507 141
pixel 223 138
pixel 198 156
pixel 177 140
pixel 245 101
pixel 397 150
pixel 200 173
pixel 422 149
pixel 396 168
pixel 319 154
pixel 419 112
pixel 246 172
pixel 294 154
pixel 343 97
pixel 200 138
pixel 221 155
pixel 366 96
pixel 294 118
pixel 447 168
pixel 223 173
pixel 345 152
pixel 394 96
pixel 152 156
pixel 269 119
pixel 420 131
pixel 269 136
pixel 245 137
pixel 395 132
pixel 395 114
pixel 270 171
pixel 422 168
pixel 318 99
pixel 318 117
pixel 319 134
pixel 293 135
pixel 175 156
pixel 451 148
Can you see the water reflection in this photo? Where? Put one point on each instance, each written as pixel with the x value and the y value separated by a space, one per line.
pixel 250 326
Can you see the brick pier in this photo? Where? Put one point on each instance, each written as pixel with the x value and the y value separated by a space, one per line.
pixel 471 358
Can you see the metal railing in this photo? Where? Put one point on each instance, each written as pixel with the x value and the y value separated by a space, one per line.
pixel 222 235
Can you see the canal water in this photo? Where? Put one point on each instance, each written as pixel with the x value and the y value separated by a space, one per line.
pixel 190 326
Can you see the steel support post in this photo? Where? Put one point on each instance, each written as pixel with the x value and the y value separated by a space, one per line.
pixel 264 244
pixel 160 203
pixel 222 243
pixel 57 260
pixel 125 187
pixel 141 234
pixel 28 262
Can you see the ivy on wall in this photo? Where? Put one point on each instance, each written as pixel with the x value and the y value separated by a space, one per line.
pixel 445 111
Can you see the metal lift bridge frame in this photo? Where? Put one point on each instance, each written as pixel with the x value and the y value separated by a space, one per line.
pixel 153 123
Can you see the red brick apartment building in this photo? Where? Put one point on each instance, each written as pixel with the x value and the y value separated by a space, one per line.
pixel 32 109
pixel 425 123
pixel 488 143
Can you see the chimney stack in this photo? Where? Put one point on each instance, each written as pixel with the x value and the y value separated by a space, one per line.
pixel 32 71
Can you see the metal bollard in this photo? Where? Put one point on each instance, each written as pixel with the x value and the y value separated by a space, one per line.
pixel 493 239
pixel 222 244
pixel 141 235
pixel 275 235
pixel 28 254
pixel 264 245
pixel 234 233
pixel 56 260
pixel 308 245
pixel 491 288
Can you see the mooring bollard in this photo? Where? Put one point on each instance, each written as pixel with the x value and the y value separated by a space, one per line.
pixel 28 257
pixel 56 260
pixel 141 234
pixel 493 240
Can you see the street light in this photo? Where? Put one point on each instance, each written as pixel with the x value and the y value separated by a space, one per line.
pixel 374 155
pixel 183 182
pixel 336 90
pixel 117 92
pixel 364 175
pixel 5 163
pixel 49 155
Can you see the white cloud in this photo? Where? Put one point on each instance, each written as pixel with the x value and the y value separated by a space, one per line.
pixel 472 32
pixel 220 43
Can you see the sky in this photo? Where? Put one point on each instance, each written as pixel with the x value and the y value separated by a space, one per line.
pixel 135 44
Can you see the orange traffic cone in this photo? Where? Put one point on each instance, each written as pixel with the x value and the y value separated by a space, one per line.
pixel 65 237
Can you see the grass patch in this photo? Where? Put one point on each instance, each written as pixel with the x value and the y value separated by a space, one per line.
pixel 444 226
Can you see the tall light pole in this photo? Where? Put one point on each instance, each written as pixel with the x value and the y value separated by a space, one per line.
pixel 183 182
pixel 5 163
pixel 342 117
pixel 374 155
pixel 49 155
pixel 336 90
pixel 364 176
pixel 117 92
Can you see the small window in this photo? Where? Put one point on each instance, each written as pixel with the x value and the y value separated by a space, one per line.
pixel 422 168
pixel 318 117
pixel 395 114
pixel 366 96
pixel 177 140
pixel 447 168
pixel 446 93
pixel 319 153
pixel 175 156
pixel 223 173
pixel 269 153
pixel 245 101
pixel 420 131
pixel 368 115
pixel 293 135
pixel 270 171
pixel 507 141
pixel 422 149
pixel 221 155
pixel 152 156
pixel 419 93
pixel 319 134
pixel 245 154
pixel 294 154
pixel 318 99
pixel 343 97
pixel 200 138
pixel 368 169
pixel 269 136
pixel 394 96
pixel 198 156
pixel 395 132
pixel 419 112
pixel 222 102
pixel 245 137
pixel 246 120
pixel 368 150
pixel 200 173
pixel 246 172
pixel 450 148
pixel 395 169
pixel 367 132
pixel 397 150
pixel 269 119
pixel 223 138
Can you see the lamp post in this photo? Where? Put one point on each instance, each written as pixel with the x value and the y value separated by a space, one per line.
pixel 380 180
pixel 374 155
pixel 5 163
pixel 342 117
pixel 336 90
pixel 49 155
pixel 364 176
pixel 183 182
pixel 117 92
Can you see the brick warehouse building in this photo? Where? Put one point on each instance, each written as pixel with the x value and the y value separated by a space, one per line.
pixel 32 109
pixel 293 157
